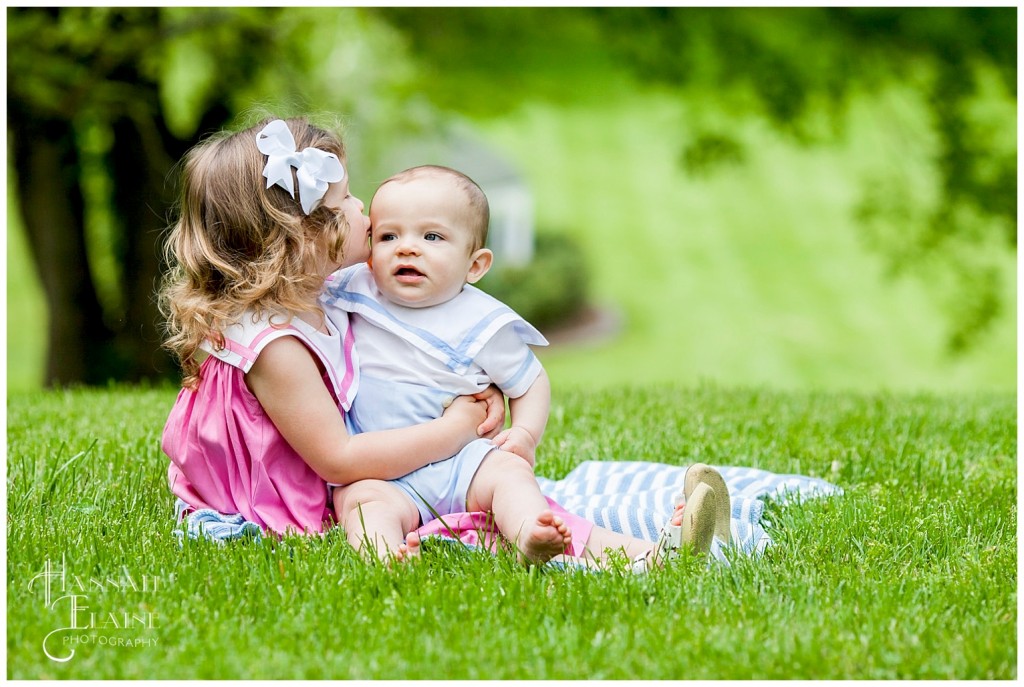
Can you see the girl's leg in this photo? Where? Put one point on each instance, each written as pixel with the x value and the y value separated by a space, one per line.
pixel 602 542
pixel 377 514
pixel 695 522
pixel 505 485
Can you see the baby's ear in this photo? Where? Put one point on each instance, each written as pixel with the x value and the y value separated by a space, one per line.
pixel 482 260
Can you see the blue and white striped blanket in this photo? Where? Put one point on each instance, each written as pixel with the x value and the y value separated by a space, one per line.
pixel 636 498
pixel 218 527
pixel 631 497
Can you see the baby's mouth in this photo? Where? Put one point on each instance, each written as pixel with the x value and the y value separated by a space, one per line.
pixel 408 272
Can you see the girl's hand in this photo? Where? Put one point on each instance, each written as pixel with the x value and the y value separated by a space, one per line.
pixel 495 401
pixel 466 413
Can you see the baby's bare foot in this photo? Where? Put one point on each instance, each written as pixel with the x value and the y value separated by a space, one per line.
pixel 410 549
pixel 544 539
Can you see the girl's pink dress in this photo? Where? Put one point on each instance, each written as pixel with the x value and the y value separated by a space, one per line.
pixel 225 452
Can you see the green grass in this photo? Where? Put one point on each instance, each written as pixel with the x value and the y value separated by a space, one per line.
pixel 910 574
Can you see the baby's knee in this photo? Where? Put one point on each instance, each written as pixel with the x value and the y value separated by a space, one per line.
pixel 504 465
pixel 363 493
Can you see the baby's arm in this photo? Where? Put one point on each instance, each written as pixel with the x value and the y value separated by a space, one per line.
pixel 287 382
pixel 529 415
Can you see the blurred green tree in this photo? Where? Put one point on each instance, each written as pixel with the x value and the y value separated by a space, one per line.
pixel 103 102
pixel 787 65
pixel 73 73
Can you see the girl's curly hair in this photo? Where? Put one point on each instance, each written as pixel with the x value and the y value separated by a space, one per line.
pixel 238 246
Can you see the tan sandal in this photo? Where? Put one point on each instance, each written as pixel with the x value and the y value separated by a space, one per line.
pixel 695 533
pixel 699 473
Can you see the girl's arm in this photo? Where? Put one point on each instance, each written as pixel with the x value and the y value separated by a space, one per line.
pixel 287 382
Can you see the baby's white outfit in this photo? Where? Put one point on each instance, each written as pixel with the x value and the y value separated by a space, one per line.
pixel 414 361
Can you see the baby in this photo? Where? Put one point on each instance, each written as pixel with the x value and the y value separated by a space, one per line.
pixel 424 337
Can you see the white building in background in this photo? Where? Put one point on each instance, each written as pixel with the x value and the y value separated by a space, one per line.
pixel 511 232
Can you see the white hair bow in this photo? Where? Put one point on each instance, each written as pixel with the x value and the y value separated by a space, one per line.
pixel 314 168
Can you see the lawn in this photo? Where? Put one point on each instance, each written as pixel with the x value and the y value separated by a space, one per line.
pixel 911 573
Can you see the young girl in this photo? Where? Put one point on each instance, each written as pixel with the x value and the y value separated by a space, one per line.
pixel 258 426
pixel 258 429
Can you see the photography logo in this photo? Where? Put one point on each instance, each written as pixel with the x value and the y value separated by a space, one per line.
pixel 66 598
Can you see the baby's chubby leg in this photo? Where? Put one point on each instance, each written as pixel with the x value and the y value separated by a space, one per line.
pixel 505 485
pixel 377 514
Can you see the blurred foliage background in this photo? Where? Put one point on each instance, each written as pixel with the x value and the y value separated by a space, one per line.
pixel 802 197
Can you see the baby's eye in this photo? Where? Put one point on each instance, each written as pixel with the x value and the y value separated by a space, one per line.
pixel 386 237
pixel 433 236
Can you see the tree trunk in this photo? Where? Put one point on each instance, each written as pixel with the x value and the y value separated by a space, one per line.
pixel 141 162
pixel 142 195
pixel 48 169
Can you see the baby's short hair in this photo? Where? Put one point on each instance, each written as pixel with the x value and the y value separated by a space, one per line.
pixel 478 209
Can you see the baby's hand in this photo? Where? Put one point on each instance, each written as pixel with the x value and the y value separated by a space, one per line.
pixel 518 441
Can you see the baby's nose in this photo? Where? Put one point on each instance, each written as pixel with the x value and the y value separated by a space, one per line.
pixel 407 245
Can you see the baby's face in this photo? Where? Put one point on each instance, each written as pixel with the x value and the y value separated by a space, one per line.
pixel 421 244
